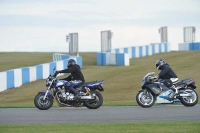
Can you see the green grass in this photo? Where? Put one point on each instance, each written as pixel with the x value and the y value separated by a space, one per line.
pixel 12 60
pixel 121 83
pixel 161 127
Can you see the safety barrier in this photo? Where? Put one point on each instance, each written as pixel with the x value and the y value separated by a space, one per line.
pixel 189 46
pixel 119 59
pixel 58 57
pixel 146 50
pixel 120 56
pixel 17 77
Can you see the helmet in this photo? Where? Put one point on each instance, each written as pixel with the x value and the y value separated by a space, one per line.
pixel 160 63
pixel 71 62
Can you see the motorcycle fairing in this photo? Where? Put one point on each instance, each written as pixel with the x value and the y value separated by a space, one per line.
pixel 165 94
pixel 165 99
pixel 154 87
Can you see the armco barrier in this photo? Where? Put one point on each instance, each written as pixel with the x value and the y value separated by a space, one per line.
pixel 17 77
pixel 189 46
pixel 119 59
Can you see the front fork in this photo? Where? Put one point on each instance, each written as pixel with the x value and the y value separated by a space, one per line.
pixel 45 94
pixel 48 90
pixel 146 93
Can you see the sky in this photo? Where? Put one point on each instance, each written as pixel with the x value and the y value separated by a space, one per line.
pixel 42 25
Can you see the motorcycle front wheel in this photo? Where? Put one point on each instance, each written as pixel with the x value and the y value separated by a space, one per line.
pixel 94 103
pixel 190 101
pixel 42 104
pixel 144 100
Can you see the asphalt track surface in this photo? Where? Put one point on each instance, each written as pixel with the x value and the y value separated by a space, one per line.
pixel 105 114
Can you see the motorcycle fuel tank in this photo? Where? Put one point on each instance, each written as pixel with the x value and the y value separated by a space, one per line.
pixel 61 83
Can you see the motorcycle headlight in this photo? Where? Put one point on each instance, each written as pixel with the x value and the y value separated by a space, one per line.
pixel 48 82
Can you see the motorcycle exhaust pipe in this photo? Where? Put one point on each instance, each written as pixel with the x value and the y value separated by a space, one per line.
pixel 186 95
pixel 86 97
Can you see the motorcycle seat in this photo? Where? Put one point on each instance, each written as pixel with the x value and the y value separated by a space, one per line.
pixel 187 81
pixel 181 85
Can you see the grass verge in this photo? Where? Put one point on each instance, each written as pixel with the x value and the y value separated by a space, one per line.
pixel 155 127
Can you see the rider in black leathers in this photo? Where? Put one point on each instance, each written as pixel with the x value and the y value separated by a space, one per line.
pixel 166 74
pixel 76 74
pixel 166 71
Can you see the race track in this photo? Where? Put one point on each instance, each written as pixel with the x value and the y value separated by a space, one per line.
pixel 104 114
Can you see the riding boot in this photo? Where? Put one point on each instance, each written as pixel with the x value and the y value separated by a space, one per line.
pixel 175 92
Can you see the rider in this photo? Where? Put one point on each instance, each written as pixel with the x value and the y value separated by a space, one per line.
pixel 166 74
pixel 75 76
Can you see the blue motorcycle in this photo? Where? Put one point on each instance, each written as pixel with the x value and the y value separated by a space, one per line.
pixel 56 89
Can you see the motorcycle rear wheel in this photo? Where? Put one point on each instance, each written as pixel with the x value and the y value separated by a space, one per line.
pixel 145 101
pixel 94 103
pixel 190 101
pixel 43 104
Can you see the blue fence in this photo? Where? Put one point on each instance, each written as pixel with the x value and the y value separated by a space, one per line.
pixel 58 57
pixel 146 50
pixel 120 56
pixel 119 59
pixel 17 77
pixel 189 46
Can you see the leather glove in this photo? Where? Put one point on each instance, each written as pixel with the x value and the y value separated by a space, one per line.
pixel 57 72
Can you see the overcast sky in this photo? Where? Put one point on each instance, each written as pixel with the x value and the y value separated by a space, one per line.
pixel 42 25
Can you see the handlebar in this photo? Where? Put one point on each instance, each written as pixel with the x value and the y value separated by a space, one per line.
pixel 55 74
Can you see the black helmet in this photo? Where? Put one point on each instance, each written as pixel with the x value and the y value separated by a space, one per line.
pixel 71 62
pixel 160 63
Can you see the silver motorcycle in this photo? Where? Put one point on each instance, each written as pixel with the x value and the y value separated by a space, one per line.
pixel 154 91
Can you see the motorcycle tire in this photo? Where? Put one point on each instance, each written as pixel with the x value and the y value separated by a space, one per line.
pixel 142 100
pixel 43 104
pixel 94 104
pixel 187 102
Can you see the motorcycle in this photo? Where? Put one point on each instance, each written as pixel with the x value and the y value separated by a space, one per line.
pixel 89 96
pixel 154 91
